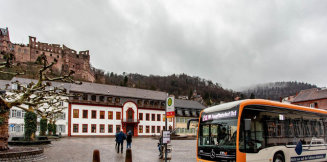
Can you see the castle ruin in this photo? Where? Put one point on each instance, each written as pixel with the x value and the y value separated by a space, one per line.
pixel 67 59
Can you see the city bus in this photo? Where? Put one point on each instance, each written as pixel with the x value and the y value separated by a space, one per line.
pixel 261 130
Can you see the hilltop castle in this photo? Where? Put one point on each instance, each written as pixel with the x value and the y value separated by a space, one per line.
pixel 67 59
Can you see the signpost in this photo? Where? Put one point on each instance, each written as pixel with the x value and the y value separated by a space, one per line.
pixel 170 107
pixel 170 113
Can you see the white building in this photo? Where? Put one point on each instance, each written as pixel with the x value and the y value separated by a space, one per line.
pixel 102 110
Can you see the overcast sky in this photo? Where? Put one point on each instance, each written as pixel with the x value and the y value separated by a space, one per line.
pixel 234 43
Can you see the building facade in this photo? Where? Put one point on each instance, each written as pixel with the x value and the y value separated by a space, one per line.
pixel 315 98
pixel 184 111
pixel 103 110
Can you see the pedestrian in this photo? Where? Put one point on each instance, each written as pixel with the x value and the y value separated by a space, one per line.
pixel 116 141
pixel 120 140
pixel 129 139
pixel 160 144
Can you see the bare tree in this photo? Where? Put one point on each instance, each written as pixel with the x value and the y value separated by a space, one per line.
pixel 30 95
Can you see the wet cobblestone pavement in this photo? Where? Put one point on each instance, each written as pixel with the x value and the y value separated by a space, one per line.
pixel 143 150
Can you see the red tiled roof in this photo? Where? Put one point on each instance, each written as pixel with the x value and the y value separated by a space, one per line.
pixel 311 94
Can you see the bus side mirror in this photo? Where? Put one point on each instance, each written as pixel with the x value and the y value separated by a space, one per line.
pixel 247 124
pixel 189 122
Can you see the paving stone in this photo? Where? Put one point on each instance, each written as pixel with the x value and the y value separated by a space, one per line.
pixel 143 150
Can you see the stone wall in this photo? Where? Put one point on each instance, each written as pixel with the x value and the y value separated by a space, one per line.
pixel 67 59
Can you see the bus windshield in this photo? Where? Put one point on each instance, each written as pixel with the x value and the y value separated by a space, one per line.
pixel 218 133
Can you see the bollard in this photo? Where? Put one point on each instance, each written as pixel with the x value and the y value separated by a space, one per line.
pixel 96 156
pixel 128 157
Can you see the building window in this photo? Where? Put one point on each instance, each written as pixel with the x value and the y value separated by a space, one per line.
pixel 158 117
pixel 101 128
pixel 141 116
pixel 62 128
pixel 147 117
pixel 109 128
pixel 110 115
pixel 140 129
pixel 13 113
pixel 84 128
pixel 153 117
pixel 23 114
pixel 109 99
pixel 158 129
pixel 139 102
pixel 19 113
pixel 85 112
pixel 147 129
pixel 117 128
pixel 75 113
pixel 117 100
pixel 118 116
pixel 312 105
pixel 93 97
pixel 102 114
pixel 93 128
pixel 94 114
pixel 101 98
pixel 75 128
pixel 85 97
pixel 153 129
pixel 61 116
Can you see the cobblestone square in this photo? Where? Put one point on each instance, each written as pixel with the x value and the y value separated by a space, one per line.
pixel 143 150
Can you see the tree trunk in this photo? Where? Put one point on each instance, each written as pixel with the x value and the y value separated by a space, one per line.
pixel 4 134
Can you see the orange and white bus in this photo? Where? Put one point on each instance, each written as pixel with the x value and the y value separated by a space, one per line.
pixel 261 130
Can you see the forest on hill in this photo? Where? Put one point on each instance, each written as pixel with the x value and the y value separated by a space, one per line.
pixel 276 90
pixel 177 84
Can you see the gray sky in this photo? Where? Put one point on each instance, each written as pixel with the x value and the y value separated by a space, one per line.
pixel 234 43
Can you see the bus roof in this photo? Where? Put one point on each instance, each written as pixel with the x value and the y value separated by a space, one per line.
pixel 229 105
pixel 222 107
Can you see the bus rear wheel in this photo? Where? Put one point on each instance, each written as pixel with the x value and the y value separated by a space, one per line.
pixel 279 158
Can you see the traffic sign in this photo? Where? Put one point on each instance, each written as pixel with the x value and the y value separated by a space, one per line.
pixel 170 107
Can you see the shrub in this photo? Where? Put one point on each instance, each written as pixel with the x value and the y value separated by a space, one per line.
pixel 30 120
pixel 43 126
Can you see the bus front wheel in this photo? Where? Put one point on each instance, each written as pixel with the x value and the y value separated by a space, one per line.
pixel 278 157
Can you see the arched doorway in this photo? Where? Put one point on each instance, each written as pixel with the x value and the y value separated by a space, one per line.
pixel 130 120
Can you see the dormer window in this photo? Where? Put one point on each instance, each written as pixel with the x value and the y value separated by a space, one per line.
pixel 85 97
pixel 109 99
pixel 93 97
pixel 101 98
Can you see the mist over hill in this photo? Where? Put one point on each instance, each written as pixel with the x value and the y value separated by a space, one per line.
pixel 275 90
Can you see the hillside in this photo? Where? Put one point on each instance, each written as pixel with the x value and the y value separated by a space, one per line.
pixel 178 85
pixel 276 90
